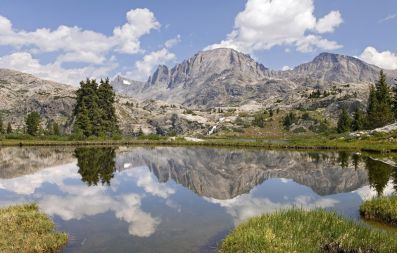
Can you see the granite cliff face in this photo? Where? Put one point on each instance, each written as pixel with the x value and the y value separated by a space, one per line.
pixel 225 174
pixel 225 77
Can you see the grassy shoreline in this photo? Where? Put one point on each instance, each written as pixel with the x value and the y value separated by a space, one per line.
pixel 25 229
pixel 306 231
pixel 380 209
pixel 295 144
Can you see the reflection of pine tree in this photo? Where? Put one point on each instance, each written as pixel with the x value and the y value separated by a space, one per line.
pixel 96 164
pixel 378 174
pixel 343 159
pixel 356 160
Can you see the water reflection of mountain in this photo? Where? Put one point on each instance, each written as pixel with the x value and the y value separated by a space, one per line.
pixel 225 173
pixel 19 161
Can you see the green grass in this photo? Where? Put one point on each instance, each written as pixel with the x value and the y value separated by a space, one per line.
pixel 24 229
pixel 313 142
pixel 305 232
pixel 382 209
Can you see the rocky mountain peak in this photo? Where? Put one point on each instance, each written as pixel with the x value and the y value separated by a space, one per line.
pixel 328 67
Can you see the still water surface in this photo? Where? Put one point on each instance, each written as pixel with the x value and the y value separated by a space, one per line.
pixel 132 199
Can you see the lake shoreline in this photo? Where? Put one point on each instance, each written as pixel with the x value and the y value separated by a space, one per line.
pixel 301 144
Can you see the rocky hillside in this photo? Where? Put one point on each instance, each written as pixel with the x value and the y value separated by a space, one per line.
pixel 21 93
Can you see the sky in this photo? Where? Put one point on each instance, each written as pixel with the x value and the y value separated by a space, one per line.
pixel 70 40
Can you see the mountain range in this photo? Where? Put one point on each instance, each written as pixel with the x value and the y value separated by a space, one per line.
pixel 225 77
pixel 210 79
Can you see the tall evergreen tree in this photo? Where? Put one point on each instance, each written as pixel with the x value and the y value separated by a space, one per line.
pixel 395 98
pixel 380 104
pixel 9 128
pixel 106 97
pixel 32 123
pixel 359 120
pixel 344 122
pixel 94 112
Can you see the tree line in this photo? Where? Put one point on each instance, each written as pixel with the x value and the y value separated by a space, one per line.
pixel 381 109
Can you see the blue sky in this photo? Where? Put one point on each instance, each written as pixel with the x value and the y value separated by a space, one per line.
pixel 69 40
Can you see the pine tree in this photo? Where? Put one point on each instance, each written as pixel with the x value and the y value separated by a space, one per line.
pixel 1 125
pixel 32 123
pixel 9 128
pixel 395 98
pixel 344 122
pixel 359 120
pixel 106 97
pixel 380 104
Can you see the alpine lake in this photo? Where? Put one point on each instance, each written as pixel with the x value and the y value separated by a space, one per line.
pixel 181 199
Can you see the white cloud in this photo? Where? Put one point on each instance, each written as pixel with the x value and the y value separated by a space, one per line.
pixel 23 61
pixel 264 24
pixel 388 18
pixel 385 60
pixel 285 68
pixel 145 67
pixel 74 45
pixel 172 42
pixel 329 22
pixel 140 22
pixel 76 41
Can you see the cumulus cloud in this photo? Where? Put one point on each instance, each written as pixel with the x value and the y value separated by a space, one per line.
pixel 264 24
pixel 74 41
pixel 329 22
pixel 385 60
pixel 140 22
pixel 23 61
pixel 74 45
pixel 144 67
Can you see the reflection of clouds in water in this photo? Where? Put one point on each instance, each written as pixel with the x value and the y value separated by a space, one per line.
pixel 81 201
pixel 146 180
pixel 367 192
pixel 246 206
pixel 29 183
pixel 126 207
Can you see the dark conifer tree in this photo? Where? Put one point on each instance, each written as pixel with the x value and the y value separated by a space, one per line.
pixel 32 123
pixel 9 128
pixel 94 112
pixel 359 120
pixel 344 122
pixel 380 104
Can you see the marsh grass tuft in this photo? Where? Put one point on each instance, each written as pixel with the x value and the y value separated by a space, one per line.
pixel 382 209
pixel 25 229
pixel 306 231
